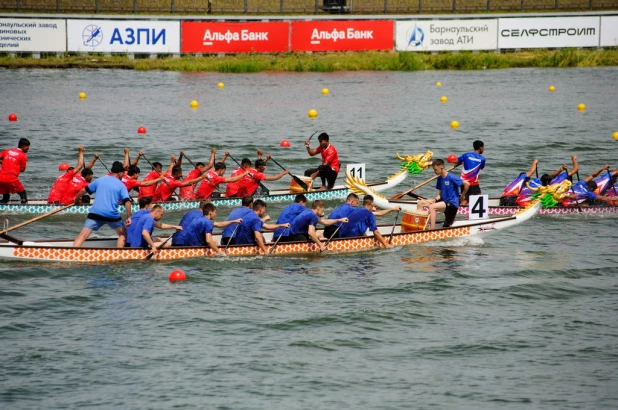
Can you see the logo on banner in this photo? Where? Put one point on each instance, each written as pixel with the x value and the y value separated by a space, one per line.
pixel 229 36
pixel 415 36
pixel 92 35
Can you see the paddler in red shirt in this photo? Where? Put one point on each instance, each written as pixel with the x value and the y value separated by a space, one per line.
pixel 130 179
pixel 62 192
pixel 329 169
pixel 13 162
pixel 214 177
pixel 187 193
pixel 171 182
pixel 248 185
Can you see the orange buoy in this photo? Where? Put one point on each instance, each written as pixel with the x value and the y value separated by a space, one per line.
pixel 285 143
pixel 141 130
pixel 12 117
pixel 177 275
pixel 451 159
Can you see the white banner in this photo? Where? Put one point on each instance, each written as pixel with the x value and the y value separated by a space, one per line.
pixel 123 36
pixel 548 32
pixel 26 35
pixel 609 31
pixel 446 35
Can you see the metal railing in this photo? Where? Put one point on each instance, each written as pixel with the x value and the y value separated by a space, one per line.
pixel 297 6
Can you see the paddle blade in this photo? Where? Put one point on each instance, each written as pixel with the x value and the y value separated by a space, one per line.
pixel 300 183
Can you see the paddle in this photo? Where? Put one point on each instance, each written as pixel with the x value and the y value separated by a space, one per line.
pixel 231 237
pixel 279 238
pixel 38 218
pixel 394 224
pixel 397 196
pixel 203 172
pixel 265 190
pixel 579 209
pixel 312 136
pixel 160 173
pixel 333 235
pixel 108 171
pixel 294 177
pixel 151 254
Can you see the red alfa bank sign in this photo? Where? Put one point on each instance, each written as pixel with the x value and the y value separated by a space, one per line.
pixel 342 35
pixel 262 37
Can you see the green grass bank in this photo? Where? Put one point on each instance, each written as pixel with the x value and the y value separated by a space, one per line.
pixel 329 62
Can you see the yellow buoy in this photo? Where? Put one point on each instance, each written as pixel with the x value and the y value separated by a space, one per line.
pixel 581 107
pixel 194 104
pixel 312 113
pixel 615 135
pixel 552 88
pixel 438 84
pixel 454 124
pixel 325 91
pixel 82 95
pixel 443 99
pixel 220 85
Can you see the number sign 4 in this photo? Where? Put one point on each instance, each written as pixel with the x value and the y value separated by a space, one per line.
pixel 477 207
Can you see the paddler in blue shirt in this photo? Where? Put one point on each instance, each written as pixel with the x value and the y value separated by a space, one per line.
pixel 199 231
pixel 362 219
pixel 447 200
pixel 583 192
pixel 288 214
pixel 227 237
pixel 139 234
pixel 250 229
pixel 186 220
pixel 303 227
pixel 525 194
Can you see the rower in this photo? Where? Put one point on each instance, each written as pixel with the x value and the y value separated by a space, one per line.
pixel 512 190
pixel 110 191
pixel 171 182
pixel 605 182
pixel 199 232
pixel 187 219
pixel 13 161
pixel 525 194
pixel 342 211
pixel 130 179
pixel 127 159
pixel 303 227
pixel 214 177
pixel 248 184
pixel 362 219
pixel 250 229
pixel 157 171
pixel 288 214
pixel 187 193
pixel 67 186
pixel 329 169
pixel 145 205
pixel 447 200
pixel 227 236
pixel 473 163
pixel 583 191
pixel 61 183
pixel 139 233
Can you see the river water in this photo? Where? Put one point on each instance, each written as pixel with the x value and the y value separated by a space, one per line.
pixel 525 320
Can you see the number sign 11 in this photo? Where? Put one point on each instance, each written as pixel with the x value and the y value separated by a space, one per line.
pixel 356 170
pixel 478 207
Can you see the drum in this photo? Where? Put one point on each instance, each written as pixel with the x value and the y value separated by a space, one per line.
pixel 414 221
pixel 295 188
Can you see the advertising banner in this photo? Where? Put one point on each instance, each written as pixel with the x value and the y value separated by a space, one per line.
pixel 446 35
pixel 212 37
pixel 548 32
pixel 32 35
pixel 342 35
pixel 609 31
pixel 123 36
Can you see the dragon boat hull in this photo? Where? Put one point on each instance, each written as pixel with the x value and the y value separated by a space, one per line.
pixel 104 250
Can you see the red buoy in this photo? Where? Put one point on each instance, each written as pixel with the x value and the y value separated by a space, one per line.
pixel 141 130
pixel 12 117
pixel 452 159
pixel 285 143
pixel 63 166
pixel 177 275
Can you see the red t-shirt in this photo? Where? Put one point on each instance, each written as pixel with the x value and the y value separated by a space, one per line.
pixel 149 190
pixel 58 190
pixel 76 184
pixel 14 160
pixel 165 190
pixel 231 190
pixel 207 187
pixel 329 155
pixel 186 192
pixel 248 184
pixel 130 183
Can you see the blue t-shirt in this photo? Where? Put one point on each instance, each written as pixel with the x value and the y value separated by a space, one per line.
pixel 300 224
pixel 110 191
pixel 245 234
pixel 134 231
pixel 358 222
pixel 235 214
pixel 449 188
pixel 135 218
pixel 196 232
pixel 582 191
pixel 473 162
pixel 342 211
pixel 559 178
pixel 185 222
pixel 287 215
pixel 515 187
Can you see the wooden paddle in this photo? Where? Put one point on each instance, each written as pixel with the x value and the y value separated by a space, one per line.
pixel 333 235
pixel 397 196
pixel 38 218
pixel 231 237
pixel 278 239
pixel 151 254
pixel 102 163
pixel 312 135
pixel 265 190
pixel 299 181
pixel 390 239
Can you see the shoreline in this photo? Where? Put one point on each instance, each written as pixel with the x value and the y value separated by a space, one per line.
pixel 328 62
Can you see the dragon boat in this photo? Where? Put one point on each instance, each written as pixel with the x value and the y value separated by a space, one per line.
pixel 410 164
pixel 494 207
pixel 405 233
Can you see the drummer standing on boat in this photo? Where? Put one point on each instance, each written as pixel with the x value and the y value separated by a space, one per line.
pixel 110 191
pixel 13 162
pixel 329 169
pixel 473 163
